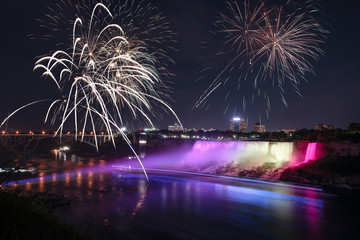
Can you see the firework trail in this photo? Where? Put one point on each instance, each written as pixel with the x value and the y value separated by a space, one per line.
pixel 113 68
pixel 270 46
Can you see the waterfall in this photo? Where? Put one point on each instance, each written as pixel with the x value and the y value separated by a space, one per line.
pixel 204 155
pixel 310 152
pixel 208 156
pixel 245 154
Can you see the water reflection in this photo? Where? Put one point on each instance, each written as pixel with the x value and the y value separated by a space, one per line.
pixel 89 180
pixel 28 186
pixel 141 200
pixel 67 178
pixel 54 176
pixel 78 179
pixel 41 182
pixel 212 207
pixel 314 209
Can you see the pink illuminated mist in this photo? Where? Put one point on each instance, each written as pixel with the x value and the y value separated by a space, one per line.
pixel 310 152
pixel 207 155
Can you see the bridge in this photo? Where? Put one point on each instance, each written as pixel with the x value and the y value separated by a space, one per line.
pixel 16 139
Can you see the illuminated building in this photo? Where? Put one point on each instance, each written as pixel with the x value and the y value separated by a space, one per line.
pixel 288 131
pixel 238 124
pixel 259 128
pixel 322 126
pixel 235 125
pixel 175 127
pixel 150 129
pixel 243 125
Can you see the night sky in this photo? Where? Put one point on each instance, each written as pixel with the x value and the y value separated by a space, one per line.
pixel 332 96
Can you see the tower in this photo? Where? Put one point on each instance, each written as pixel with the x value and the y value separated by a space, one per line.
pixel 235 124
pixel 243 125
pixel 238 124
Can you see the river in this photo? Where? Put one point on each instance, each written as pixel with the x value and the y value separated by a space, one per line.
pixel 121 204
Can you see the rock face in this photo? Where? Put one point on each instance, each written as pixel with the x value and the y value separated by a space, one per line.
pixel 314 173
pixel 342 149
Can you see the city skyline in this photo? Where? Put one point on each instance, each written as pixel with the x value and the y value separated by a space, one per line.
pixel 330 97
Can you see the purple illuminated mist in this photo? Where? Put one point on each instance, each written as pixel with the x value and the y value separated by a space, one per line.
pixel 207 155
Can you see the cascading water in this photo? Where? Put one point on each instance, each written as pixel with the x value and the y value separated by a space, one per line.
pixel 245 154
pixel 310 152
pixel 213 154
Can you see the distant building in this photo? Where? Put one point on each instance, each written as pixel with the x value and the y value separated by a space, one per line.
pixel 259 128
pixel 209 130
pixel 288 131
pixel 212 130
pixel 191 130
pixel 243 125
pixel 238 124
pixel 322 126
pixel 175 127
pixel 235 124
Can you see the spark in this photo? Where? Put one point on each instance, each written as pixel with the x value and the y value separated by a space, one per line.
pixel 113 68
pixel 270 46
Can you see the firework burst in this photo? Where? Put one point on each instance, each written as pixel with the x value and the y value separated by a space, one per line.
pixel 270 47
pixel 113 69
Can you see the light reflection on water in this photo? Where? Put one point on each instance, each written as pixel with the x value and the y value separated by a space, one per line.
pixel 176 206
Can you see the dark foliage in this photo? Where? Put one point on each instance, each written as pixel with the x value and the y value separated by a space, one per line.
pixel 325 170
pixel 24 217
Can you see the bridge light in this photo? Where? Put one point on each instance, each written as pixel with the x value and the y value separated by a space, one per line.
pixel 31 133
pixel 17 132
pixel 91 133
pixel 43 132
pixel 102 133
pixel 80 132
pixel 3 132
pixel 68 133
